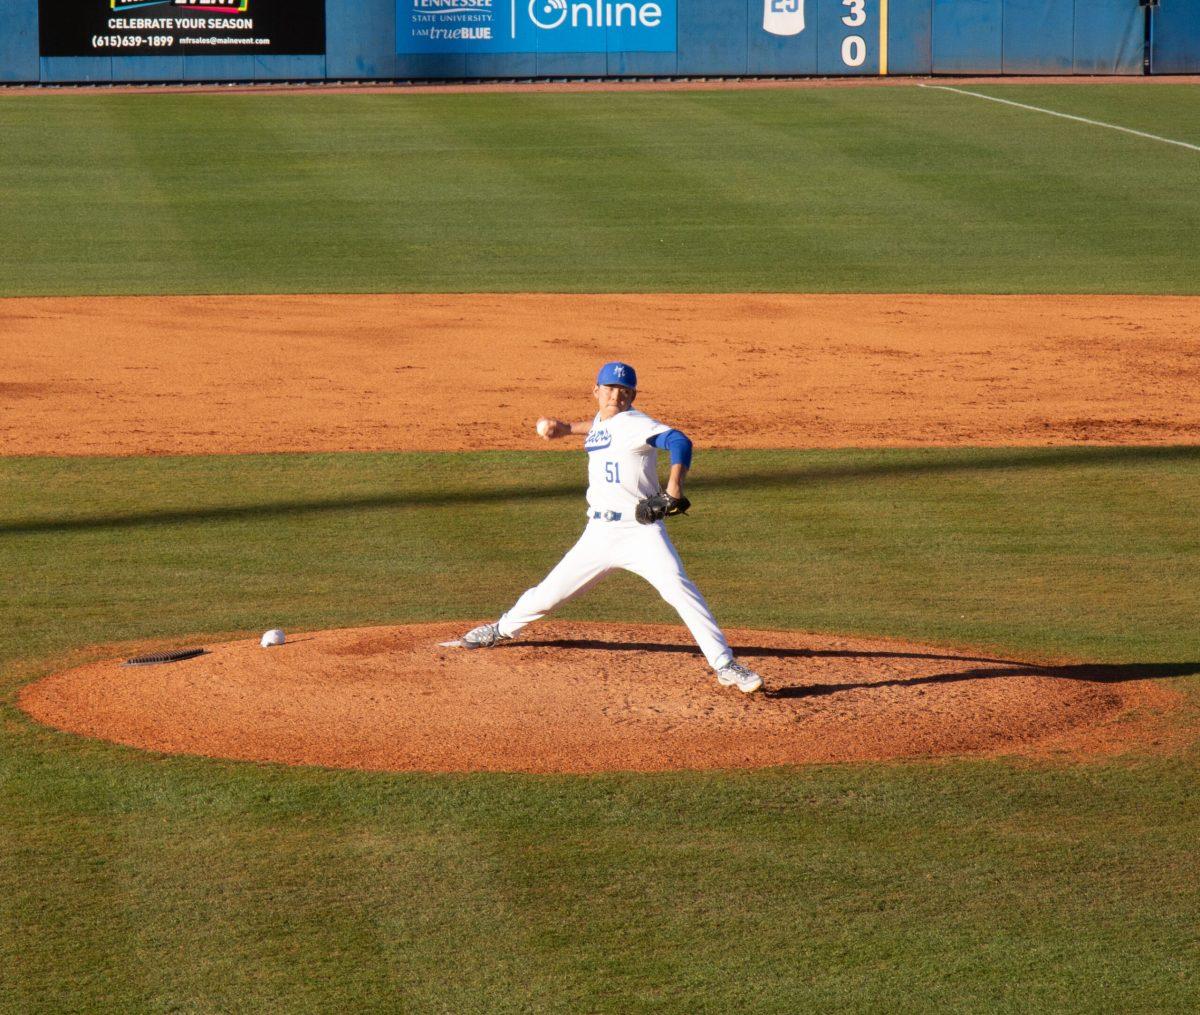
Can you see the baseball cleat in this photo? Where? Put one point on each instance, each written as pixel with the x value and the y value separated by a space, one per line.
pixel 484 636
pixel 734 674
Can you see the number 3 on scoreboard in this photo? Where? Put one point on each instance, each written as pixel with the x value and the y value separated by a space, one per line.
pixel 857 15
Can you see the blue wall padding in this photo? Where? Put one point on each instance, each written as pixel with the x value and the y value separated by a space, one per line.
pixel 147 68
pixel 640 64
pixel 75 68
pixel 967 36
pixel 360 39
pixel 287 68
pixel 501 65
pixel 910 37
pixel 715 37
pixel 712 37
pixel 1109 37
pixel 1176 44
pixel 1039 36
pixel 18 41
pixel 218 68
pixel 557 65
pixel 432 65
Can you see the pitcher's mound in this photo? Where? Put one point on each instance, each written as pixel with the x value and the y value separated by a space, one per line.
pixel 577 697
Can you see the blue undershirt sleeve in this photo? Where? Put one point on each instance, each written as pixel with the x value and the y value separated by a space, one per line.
pixel 677 444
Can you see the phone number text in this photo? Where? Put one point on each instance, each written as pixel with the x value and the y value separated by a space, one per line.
pixel 132 41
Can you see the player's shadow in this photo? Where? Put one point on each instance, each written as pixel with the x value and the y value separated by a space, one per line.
pixel 774 652
pixel 760 479
pixel 937 462
pixel 986 669
pixel 1095 673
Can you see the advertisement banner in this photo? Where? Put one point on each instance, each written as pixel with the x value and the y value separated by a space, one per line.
pixel 535 26
pixel 181 27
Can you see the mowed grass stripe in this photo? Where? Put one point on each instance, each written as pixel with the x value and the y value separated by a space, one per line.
pixel 974 886
pixel 71 197
pixel 1085 551
pixel 894 189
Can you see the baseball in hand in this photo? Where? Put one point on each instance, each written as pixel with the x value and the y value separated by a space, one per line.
pixel 545 427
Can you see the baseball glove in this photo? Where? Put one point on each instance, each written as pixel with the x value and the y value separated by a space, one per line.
pixel 659 506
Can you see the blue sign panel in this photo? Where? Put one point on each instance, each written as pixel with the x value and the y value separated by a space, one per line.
pixel 535 26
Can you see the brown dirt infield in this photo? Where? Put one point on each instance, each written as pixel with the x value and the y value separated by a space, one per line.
pixel 579 697
pixel 199 375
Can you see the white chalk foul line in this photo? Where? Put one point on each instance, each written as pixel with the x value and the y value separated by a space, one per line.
pixel 1068 116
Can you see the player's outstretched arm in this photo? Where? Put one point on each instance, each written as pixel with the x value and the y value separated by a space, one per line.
pixel 552 429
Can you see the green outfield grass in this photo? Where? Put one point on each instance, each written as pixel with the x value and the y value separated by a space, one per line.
pixel 133 882
pixel 889 189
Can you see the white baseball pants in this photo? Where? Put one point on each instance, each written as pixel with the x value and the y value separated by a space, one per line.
pixel 646 550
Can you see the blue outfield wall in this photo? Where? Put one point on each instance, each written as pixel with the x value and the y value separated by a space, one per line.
pixel 441 39
pixel 1109 37
pixel 1038 38
pixel 19 41
pixel 1176 43
pixel 968 36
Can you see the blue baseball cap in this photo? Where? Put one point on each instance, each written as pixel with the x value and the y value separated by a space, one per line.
pixel 618 375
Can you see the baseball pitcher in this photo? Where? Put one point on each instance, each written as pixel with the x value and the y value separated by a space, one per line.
pixel 626 508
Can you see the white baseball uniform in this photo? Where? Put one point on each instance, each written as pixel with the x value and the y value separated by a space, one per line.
pixel 622 469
